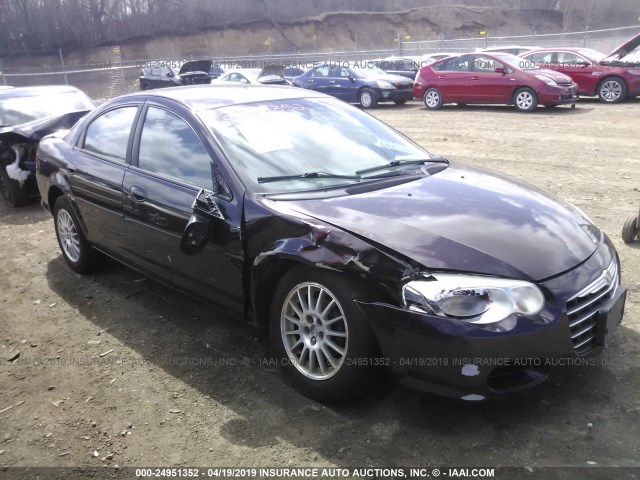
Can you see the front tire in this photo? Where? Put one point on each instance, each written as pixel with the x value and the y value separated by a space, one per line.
pixel 432 99
pixel 77 252
pixel 525 100
pixel 10 189
pixel 630 229
pixel 612 90
pixel 368 98
pixel 321 338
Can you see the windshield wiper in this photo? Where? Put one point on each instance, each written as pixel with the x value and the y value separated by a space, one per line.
pixel 401 163
pixel 307 175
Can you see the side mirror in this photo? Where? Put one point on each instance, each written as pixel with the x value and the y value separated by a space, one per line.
pixel 196 235
pixel 169 74
pixel 352 78
pixel 501 70
pixel 583 64
pixel 198 232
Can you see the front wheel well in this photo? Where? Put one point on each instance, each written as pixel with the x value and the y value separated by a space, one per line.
pixel 52 197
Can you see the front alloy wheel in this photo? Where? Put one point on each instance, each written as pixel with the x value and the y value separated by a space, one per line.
pixel 525 100
pixel 612 90
pixel 321 338
pixel 314 331
pixel 367 98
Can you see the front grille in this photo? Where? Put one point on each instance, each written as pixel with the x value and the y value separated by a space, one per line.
pixel 583 309
pixel 402 85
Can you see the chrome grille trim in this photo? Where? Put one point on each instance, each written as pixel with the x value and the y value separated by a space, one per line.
pixel 583 308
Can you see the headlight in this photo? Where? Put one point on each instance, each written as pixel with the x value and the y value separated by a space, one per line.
pixel 547 80
pixel 385 85
pixel 472 299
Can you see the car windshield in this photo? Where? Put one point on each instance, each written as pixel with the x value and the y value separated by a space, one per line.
pixel 17 110
pixel 370 71
pixel 592 54
pixel 298 136
pixel 518 62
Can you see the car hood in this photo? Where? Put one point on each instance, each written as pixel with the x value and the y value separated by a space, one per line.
pixel 466 219
pixel 37 129
pixel 196 66
pixel 628 52
pixel 559 78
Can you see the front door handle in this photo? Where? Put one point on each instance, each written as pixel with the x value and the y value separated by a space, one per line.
pixel 474 78
pixel 71 168
pixel 138 194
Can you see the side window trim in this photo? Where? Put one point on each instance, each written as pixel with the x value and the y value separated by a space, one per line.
pixel 127 161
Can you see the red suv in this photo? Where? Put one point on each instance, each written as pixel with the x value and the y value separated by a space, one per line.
pixel 498 78
pixel 611 77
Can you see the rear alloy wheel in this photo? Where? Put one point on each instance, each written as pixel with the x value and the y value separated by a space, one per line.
pixel 612 90
pixel 368 98
pixel 525 100
pixel 77 252
pixel 432 99
pixel 322 340
pixel 630 229
pixel 10 189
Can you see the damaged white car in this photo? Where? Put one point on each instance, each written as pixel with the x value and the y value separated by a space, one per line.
pixel 27 114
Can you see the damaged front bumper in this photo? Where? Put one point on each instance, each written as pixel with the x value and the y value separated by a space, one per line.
pixel 459 360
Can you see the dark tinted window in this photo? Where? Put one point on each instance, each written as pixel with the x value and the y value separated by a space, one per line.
pixel 542 57
pixel 456 64
pixel 484 64
pixel 109 134
pixel 170 147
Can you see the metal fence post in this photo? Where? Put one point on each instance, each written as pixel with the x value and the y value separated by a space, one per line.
pixel 4 79
pixel 64 69
pixel 399 45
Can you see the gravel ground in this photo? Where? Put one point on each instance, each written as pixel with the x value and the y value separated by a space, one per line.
pixel 115 369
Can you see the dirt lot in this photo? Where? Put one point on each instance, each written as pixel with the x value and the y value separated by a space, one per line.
pixel 103 367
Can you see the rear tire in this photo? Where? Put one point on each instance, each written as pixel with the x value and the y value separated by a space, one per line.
pixel 630 229
pixel 10 189
pixel 77 252
pixel 368 98
pixel 321 339
pixel 525 100
pixel 432 99
pixel 612 90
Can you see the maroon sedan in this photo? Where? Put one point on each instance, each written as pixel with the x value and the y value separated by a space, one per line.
pixel 496 78
pixel 611 77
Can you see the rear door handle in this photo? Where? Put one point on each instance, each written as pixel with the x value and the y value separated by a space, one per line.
pixel 139 195
pixel 474 78
pixel 332 81
pixel 71 168
pixel 441 77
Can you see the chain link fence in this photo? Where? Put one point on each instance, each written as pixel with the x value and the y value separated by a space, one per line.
pixel 107 72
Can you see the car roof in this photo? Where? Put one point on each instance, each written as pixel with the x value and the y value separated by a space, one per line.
pixel 202 97
pixel 38 91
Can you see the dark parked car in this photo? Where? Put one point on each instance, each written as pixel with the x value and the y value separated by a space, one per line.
pixel 496 78
pixel 165 74
pixel 611 77
pixel 366 86
pixel 26 115
pixel 354 248
pixel 405 67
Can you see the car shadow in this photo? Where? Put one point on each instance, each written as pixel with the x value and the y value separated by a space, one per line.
pixel 30 213
pixel 227 361
pixel 540 111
